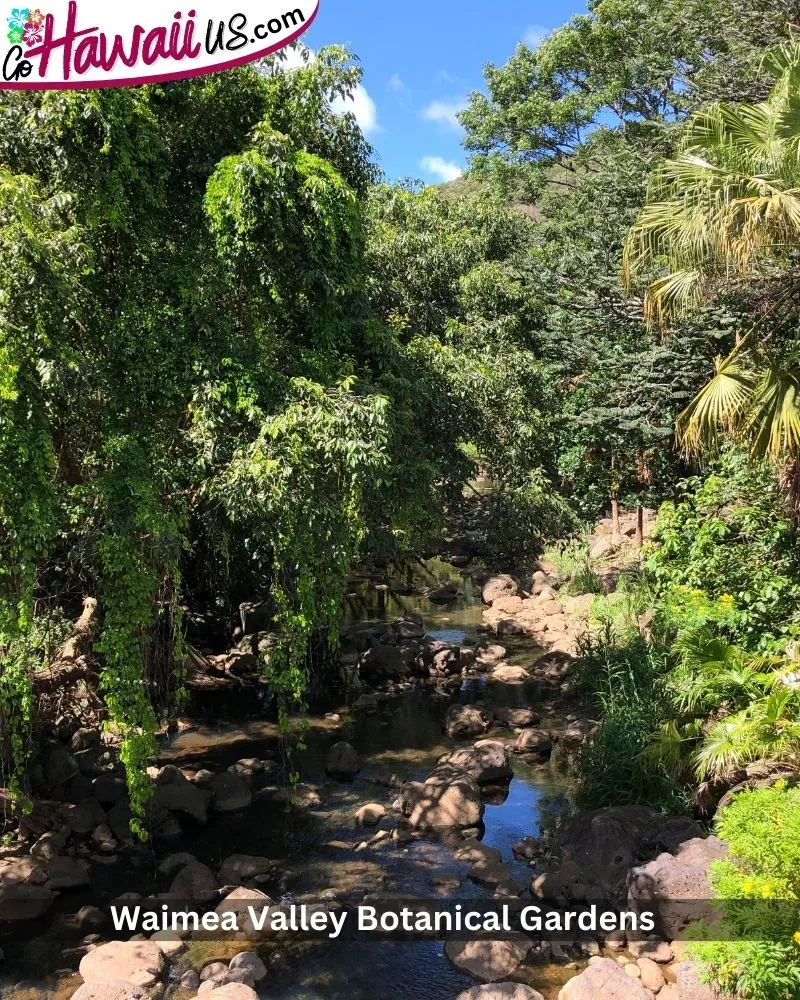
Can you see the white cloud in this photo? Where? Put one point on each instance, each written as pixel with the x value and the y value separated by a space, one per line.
pixel 359 103
pixel 397 85
pixel 294 57
pixel 443 77
pixel 444 112
pixel 534 35
pixel 445 170
pixel 362 106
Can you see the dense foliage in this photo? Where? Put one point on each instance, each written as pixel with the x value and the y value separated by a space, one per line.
pixel 222 380
pixel 234 363
pixel 757 948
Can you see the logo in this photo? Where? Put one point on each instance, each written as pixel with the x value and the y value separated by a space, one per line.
pixel 89 43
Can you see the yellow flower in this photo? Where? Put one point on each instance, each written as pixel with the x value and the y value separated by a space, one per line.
pixel 766 892
pixel 748 886
pixel 796 937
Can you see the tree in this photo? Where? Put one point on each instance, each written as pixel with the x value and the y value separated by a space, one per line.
pixel 630 66
pixel 728 206
pixel 181 412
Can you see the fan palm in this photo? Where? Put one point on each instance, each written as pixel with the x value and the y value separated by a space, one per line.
pixel 729 206
pixel 759 696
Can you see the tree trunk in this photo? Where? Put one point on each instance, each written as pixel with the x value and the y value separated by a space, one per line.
pixel 639 541
pixel 72 664
pixel 615 516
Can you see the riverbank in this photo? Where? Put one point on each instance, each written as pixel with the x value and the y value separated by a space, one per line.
pixel 440 779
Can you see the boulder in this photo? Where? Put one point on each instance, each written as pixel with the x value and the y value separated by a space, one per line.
pixel 214 972
pixel 241 976
pixel 177 794
pixel 27 870
pixel 238 901
pixel 447 662
pixel 490 873
pixel 518 718
pixel 604 980
pixel 67 873
pixel 486 763
pixel 234 991
pixel 138 963
pixel 509 605
pixel 20 901
pixel 491 654
pixel 506 674
pixel 606 545
pixel 676 885
pixel 90 918
pixel 605 843
pixel 445 594
pixel 250 963
pixel 300 796
pixel 109 789
pixel 383 663
pixel 255 616
pixel 190 980
pixel 231 793
pixel 107 990
pixel 411 626
pixel 239 867
pixel 173 863
pixel 342 762
pixel 169 942
pixel 651 975
pixel 370 814
pixel 250 769
pixel 86 816
pixel 534 741
pixel 462 721
pixel 475 851
pixel 442 802
pixel 500 991
pixel 119 819
pixel 653 948
pixel 549 607
pixel 488 961
pixel 669 833
pixel 84 739
pixel 59 767
pixel 689 986
pixel 528 849
pixel 195 881
pixel 499 586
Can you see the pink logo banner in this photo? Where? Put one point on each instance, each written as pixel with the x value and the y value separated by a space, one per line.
pixel 90 43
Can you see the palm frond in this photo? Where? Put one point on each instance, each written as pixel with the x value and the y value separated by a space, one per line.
pixel 773 422
pixel 719 406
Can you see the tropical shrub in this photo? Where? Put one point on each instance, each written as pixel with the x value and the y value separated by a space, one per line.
pixel 624 678
pixel 730 538
pixel 524 517
pixel 755 951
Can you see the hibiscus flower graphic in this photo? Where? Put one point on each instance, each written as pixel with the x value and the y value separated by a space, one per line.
pixel 16 35
pixel 33 34
pixel 36 18
pixel 19 18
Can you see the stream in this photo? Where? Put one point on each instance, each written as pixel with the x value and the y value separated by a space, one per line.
pixel 317 850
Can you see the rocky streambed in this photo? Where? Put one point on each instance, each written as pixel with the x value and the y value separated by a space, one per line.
pixel 434 781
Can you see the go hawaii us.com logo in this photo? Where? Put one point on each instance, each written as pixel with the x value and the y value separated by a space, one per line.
pixel 91 43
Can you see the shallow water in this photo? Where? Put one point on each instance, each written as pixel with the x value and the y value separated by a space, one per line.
pixel 317 850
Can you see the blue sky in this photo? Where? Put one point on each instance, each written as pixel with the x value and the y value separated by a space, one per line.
pixel 420 59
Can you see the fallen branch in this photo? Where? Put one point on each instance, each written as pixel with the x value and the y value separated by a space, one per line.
pixel 72 663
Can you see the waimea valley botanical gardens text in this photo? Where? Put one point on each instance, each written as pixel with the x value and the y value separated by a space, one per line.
pixel 424 919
